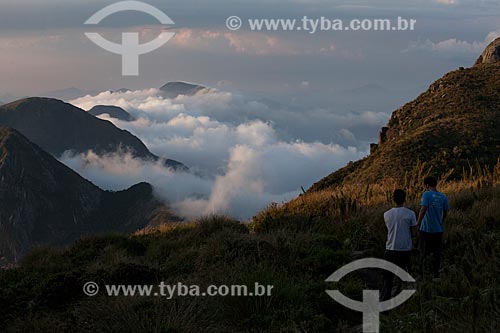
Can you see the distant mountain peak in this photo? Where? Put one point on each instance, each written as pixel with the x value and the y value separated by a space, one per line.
pixel 491 54
pixel 177 88
pixel 57 127
pixel 113 111
pixel 34 100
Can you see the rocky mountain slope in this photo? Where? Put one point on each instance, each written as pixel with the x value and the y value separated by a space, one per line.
pixel 43 202
pixel 455 123
pixel 57 127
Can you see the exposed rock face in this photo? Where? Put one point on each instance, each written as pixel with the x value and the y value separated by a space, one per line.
pixel 175 89
pixel 43 202
pixel 57 127
pixel 382 136
pixel 113 111
pixel 491 54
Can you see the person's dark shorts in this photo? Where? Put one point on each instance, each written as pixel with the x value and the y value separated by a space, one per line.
pixel 430 242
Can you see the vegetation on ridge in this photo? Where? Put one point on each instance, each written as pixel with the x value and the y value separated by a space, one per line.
pixel 454 123
pixel 293 246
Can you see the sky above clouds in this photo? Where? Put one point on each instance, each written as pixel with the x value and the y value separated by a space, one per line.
pixel 43 47
pixel 286 108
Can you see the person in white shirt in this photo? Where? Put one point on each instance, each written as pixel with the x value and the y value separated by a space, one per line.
pixel 401 224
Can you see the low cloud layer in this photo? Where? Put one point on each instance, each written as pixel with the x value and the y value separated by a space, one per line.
pixel 240 160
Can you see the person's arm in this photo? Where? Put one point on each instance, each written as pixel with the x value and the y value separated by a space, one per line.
pixel 414 231
pixel 424 203
pixel 445 209
pixel 413 225
pixel 421 215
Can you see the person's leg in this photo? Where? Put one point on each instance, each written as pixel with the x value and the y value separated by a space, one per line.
pixel 423 245
pixel 437 245
pixel 406 261
pixel 388 277
pixel 432 252
pixel 403 261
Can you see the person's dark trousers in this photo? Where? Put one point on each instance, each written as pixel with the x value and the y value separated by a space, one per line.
pixel 430 244
pixel 399 258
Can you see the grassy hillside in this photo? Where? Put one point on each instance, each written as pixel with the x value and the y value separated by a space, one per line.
pixel 293 246
pixel 455 122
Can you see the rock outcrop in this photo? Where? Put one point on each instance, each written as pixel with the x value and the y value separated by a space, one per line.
pixel 491 54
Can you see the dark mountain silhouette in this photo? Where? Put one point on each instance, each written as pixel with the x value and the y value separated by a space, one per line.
pixel 43 202
pixel 174 89
pixel 455 123
pixel 58 127
pixel 113 111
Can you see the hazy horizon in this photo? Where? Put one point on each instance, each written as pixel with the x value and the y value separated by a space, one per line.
pixel 47 42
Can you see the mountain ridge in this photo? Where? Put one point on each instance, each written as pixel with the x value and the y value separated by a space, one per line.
pixel 57 127
pixel 448 127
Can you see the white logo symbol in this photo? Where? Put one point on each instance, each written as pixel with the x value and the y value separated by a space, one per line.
pixel 130 49
pixel 371 306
